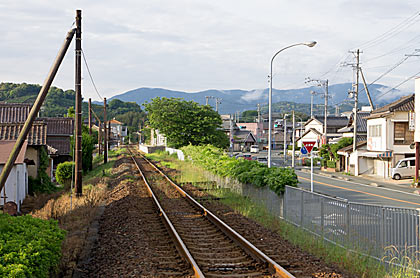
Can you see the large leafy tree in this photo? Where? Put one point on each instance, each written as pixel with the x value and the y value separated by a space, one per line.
pixel 186 122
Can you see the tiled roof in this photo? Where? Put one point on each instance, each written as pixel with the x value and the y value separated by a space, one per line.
pixel 405 103
pixel 243 135
pixel 115 122
pixel 361 123
pixel 36 136
pixel 349 148
pixel 14 112
pixel 332 121
pixel 6 148
pixel 61 144
pixel 59 126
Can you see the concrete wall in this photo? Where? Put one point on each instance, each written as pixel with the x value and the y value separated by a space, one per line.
pixel 32 154
pixel 179 153
pixel 150 149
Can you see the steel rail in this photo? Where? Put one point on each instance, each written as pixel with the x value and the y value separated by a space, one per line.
pixel 231 233
pixel 182 248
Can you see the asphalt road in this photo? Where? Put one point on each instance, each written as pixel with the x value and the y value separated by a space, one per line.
pixel 358 192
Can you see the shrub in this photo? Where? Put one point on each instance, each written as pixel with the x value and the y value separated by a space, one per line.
pixel 30 247
pixel 245 171
pixel 42 183
pixel 331 164
pixel 64 172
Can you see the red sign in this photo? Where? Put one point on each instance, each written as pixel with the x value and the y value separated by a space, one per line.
pixel 309 145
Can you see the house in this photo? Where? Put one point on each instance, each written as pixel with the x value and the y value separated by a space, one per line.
pixel 118 131
pixel 50 134
pixel 389 136
pixel 36 140
pixel 348 130
pixel 16 187
pixel 59 132
pixel 314 129
pixel 243 139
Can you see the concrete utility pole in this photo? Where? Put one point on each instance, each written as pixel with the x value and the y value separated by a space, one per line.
pixel 293 139
pixel 90 116
pixel 105 135
pixel 356 99
pixel 207 100
pixel 78 112
pixel 366 89
pixel 218 101
pixel 337 111
pixel 259 113
pixel 313 93
pixel 35 109
pixel 285 137
pixel 231 133
pixel 325 83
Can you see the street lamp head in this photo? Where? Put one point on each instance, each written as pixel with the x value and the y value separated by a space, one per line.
pixel 310 44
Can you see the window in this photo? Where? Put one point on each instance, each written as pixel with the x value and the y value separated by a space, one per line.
pixel 403 164
pixel 402 134
pixel 412 162
pixel 375 130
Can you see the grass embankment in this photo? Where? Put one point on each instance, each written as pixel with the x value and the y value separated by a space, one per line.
pixel 359 265
pixel 75 214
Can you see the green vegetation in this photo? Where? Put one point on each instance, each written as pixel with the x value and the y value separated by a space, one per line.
pixel 58 102
pixel 186 122
pixel 329 151
pixel 30 247
pixel 64 173
pixel 245 171
pixel 42 183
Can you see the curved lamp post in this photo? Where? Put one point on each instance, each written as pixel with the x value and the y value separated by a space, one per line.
pixel 270 125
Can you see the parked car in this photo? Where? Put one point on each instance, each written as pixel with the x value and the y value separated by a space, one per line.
pixel 405 168
pixel 247 156
pixel 262 159
pixel 254 149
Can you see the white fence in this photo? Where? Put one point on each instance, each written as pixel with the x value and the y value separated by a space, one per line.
pixel 366 228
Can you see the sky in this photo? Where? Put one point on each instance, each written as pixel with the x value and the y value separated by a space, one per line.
pixel 191 45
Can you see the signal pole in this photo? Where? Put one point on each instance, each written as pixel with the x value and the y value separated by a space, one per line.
pixel 78 112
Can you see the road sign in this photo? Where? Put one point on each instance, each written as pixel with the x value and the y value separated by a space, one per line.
pixel 309 145
pixel 303 150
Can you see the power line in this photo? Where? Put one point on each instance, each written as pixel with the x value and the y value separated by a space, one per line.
pixel 405 81
pixel 391 32
pixel 90 75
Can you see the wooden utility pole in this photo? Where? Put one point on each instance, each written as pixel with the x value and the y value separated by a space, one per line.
pixel 90 116
pixel 35 109
pixel 105 135
pixel 78 112
pixel 356 100
pixel 99 138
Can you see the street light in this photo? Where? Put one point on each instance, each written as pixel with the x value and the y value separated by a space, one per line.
pixel 270 125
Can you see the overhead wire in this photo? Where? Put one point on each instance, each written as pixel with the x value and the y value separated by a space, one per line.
pixel 391 32
pixel 403 82
pixel 90 75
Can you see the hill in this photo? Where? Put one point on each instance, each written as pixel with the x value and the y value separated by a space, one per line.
pixel 58 102
pixel 241 100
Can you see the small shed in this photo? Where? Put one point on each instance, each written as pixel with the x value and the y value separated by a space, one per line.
pixel 16 187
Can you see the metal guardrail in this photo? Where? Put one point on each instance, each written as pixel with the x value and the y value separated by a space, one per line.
pixel 366 228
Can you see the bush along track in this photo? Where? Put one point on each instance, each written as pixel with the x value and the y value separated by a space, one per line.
pixel 245 171
pixel 29 247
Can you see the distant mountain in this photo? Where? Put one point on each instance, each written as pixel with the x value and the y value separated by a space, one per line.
pixel 241 100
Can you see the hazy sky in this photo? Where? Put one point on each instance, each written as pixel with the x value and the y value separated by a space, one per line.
pixel 195 45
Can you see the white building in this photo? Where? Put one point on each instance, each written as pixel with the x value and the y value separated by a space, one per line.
pixel 16 187
pixel 389 136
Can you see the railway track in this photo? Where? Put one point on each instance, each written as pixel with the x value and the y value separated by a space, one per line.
pixel 207 244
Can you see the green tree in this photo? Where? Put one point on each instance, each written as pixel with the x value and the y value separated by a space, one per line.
pixel 186 122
